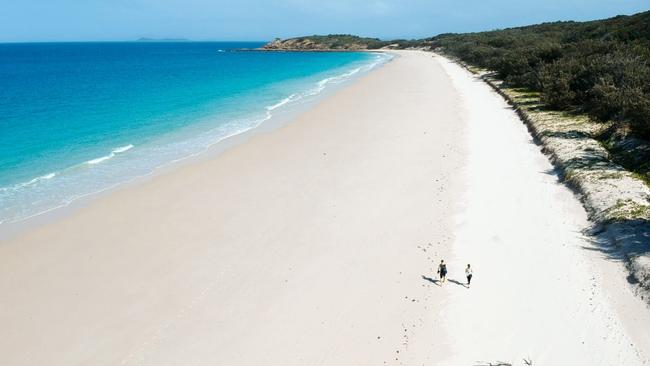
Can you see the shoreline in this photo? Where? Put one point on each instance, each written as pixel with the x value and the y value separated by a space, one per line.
pixel 317 243
pixel 9 230
pixel 209 253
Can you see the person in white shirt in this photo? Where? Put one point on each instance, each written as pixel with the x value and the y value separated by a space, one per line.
pixel 468 273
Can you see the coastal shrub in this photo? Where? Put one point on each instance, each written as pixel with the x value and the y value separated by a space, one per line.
pixel 600 67
pixel 342 41
pixel 555 83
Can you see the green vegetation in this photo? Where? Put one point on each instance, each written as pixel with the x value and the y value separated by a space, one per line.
pixel 343 41
pixel 601 67
pixel 326 43
pixel 628 210
pixel 340 42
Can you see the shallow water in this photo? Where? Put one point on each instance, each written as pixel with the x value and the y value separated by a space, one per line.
pixel 78 118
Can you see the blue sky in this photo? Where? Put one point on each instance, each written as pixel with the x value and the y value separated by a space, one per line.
pixel 75 20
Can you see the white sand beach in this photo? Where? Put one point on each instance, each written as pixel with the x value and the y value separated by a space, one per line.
pixel 316 244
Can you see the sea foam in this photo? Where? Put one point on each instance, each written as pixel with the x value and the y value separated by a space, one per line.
pixel 112 154
pixel 29 183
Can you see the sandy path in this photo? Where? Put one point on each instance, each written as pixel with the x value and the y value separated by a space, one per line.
pixel 308 245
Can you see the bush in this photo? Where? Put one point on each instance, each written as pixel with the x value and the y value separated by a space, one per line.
pixel 599 67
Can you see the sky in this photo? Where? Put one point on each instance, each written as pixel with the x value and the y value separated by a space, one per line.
pixel 261 20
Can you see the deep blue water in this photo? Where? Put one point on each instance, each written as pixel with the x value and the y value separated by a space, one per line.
pixel 77 118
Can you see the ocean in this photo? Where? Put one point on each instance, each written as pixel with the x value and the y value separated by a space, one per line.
pixel 81 118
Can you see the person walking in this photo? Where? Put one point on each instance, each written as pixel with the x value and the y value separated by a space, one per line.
pixel 468 273
pixel 442 271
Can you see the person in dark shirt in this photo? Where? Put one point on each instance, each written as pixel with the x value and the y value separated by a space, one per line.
pixel 442 271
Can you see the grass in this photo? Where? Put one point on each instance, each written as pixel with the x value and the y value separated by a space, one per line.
pixel 476 70
pixel 628 210
pixel 616 175
pixel 644 177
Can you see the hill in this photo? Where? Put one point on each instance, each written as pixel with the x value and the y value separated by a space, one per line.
pixel 335 42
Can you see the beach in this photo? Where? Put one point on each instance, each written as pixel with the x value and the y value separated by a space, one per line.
pixel 317 243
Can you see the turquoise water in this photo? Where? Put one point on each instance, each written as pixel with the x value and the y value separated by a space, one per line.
pixel 78 118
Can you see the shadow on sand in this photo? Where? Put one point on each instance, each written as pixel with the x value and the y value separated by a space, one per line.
pixel 437 282
pixel 434 281
pixel 626 241
pixel 457 282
